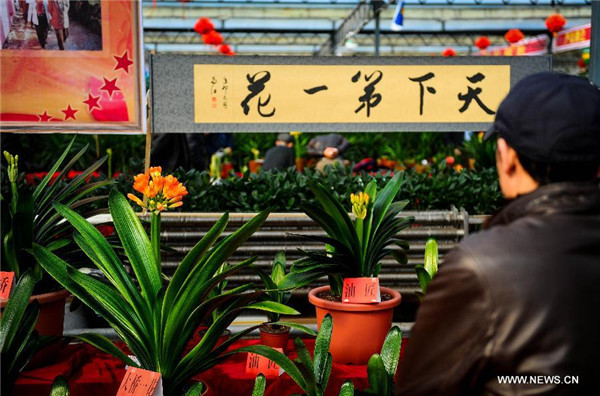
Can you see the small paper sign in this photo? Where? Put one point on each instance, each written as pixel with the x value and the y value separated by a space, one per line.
pixel 140 382
pixel 6 282
pixel 361 290
pixel 258 364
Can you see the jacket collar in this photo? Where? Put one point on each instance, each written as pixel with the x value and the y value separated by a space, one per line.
pixel 567 197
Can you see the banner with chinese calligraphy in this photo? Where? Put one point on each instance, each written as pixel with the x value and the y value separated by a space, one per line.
pixel 250 94
pixel 574 38
pixel 537 45
pixel 72 66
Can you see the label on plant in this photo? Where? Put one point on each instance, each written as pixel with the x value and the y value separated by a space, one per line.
pixel 258 364
pixel 361 291
pixel 6 282
pixel 140 382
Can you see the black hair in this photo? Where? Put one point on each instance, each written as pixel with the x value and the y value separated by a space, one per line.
pixel 546 173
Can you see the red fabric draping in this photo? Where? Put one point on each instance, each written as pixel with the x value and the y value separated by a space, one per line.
pixel 94 373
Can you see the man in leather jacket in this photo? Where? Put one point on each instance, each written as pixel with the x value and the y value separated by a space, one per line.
pixel 515 309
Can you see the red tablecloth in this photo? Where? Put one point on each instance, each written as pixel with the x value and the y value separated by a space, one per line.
pixel 93 373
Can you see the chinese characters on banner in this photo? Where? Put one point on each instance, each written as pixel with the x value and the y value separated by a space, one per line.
pixel 574 38
pixel 532 46
pixel 348 93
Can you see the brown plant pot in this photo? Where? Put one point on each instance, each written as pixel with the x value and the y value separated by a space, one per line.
pixel 50 323
pixel 358 329
pixel 274 336
pixel 255 165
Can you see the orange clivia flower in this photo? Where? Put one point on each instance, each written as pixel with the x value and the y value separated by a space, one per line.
pixel 163 192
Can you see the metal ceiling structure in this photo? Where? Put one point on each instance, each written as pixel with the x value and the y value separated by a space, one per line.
pixel 303 27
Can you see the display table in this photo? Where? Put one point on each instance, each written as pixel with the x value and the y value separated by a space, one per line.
pixel 94 373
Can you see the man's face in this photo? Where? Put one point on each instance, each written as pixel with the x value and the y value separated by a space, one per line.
pixel 512 177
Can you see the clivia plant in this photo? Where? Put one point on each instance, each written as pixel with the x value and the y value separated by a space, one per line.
pixel 29 217
pixel 354 248
pixel 275 333
pixel 311 374
pixel 156 319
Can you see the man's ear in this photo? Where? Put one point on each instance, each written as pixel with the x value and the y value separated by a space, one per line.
pixel 506 158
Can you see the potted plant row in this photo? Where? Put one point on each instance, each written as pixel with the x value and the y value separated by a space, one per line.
pixel 29 218
pixel 157 319
pixel 354 248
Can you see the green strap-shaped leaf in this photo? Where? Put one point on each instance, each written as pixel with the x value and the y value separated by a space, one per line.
pixel 297 326
pixel 431 257
pixel 278 271
pixel 38 190
pixel 60 387
pixel 190 261
pixel 260 384
pixel 283 361
pixel 390 351
pixel 15 308
pixel 379 382
pixel 93 243
pixel 305 359
pixel 272 306
pixel 384 199
pixel 347 389
pixel 107 346
pixel 137 246
pixel 195 390
pixel 423 277
pixel 326 372
pixel 322 345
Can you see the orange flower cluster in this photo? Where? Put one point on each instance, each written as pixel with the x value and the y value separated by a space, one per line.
pixel 163 192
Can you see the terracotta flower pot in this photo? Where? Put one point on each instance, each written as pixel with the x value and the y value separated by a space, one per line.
pixel 274 336
pixel 358 329
pixel 255 165
pixel 50 323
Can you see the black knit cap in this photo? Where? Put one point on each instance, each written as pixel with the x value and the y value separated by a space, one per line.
pixel 551 118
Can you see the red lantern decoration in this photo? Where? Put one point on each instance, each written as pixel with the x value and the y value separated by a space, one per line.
pixel 448 52
pixel 226 50
pixel 204 26
pixel 555 23
pixel 514 36
pixel 581 63
pixel 482 42
pixel 213 38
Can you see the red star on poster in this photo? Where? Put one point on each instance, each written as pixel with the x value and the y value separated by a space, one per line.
pixel 92 102
pixel 123 62
pixel 110 86
pixel 44 117
pixel 69 113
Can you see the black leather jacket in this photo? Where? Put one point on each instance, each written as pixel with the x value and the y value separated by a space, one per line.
pixel 521 298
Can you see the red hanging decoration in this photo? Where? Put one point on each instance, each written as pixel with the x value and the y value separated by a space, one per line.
pixel 448 52
pixel 482 42
pixel 555 23
pixel 514 36
pixel 212 38
pixel 581 63
pixel 226 50
pixel 203 26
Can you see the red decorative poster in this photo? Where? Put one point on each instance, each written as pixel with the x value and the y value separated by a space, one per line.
pixel 537 45
pixel 71 66
pixel 574 38
pixel 258 364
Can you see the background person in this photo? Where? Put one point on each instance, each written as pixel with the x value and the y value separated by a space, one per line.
pixel 282 155
pixel 329 147
pixel 38 15
pixel 59 19
pixel 520 298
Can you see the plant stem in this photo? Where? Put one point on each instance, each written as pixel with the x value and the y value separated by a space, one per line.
pixel 155 238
